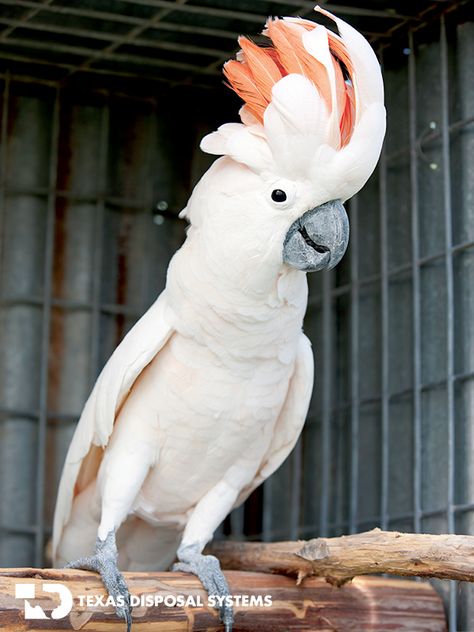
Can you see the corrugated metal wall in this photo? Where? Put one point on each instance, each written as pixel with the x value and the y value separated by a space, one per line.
pixel 389 439
pixel 82 258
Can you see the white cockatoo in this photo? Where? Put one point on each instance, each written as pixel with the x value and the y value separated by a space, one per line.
pixel 207 394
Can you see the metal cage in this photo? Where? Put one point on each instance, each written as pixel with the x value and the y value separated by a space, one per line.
pixel 98 153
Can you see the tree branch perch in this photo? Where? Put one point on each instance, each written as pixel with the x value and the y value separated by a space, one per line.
pixel 371 604
pixel 340 559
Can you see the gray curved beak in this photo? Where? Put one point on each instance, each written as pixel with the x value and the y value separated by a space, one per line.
pixel 318 239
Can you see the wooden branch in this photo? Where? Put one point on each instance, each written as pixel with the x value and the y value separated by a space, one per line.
pixel 340 559
pixel 369 604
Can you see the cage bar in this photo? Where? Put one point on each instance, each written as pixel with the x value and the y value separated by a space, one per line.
pixel 385 346
pixel 415 240
pixel 449 296
pixel 327 392
pixel 45 334
pixel 355 368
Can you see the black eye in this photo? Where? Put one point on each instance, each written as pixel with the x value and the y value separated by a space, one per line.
pixel 278 195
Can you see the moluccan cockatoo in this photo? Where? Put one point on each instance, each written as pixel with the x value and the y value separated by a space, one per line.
pixel 207 394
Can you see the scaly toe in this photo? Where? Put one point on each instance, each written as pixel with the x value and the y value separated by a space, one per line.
pixel 207 568
pixel 104 562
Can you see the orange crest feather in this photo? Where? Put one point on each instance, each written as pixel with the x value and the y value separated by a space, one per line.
pixel 243 83
pixel 260 68
pixel 295 58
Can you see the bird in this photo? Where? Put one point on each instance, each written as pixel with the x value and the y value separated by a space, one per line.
pixel 207 394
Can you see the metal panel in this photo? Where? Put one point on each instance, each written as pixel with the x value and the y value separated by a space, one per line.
pixel 27 153
pixel 63 307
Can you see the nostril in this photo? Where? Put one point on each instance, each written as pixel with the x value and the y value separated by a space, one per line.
pixel 318 247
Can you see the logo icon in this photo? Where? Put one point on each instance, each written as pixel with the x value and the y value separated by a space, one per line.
pixel 27 591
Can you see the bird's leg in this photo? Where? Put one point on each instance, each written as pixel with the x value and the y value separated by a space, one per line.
pixel 208 569
pixel 208 513
pixel 120 477
pixel 104 562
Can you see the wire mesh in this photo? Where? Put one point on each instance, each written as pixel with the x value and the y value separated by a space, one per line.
pixel 76 220
pixel 401 347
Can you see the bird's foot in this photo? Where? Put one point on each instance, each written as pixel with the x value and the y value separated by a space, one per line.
pixel 104 562
pixel 208 569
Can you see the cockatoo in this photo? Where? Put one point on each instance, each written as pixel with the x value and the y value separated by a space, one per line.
pixel 207 394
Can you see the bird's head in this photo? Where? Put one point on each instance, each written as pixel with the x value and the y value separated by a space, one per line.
pixel 311 134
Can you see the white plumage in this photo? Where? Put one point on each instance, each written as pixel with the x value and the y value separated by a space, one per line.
pixel 207 394
pixel 218 400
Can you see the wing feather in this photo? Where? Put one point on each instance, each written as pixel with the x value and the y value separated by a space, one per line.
pixel 291 420
pixel 95 426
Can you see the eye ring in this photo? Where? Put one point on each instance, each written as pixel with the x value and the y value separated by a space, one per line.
pixel 279 196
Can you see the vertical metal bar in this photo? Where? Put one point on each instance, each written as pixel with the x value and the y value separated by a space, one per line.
pixel 385 325
pixel 327 402
pixel 416 287
pixel 3 177
pixel 45 332
pixel 355 396
pixel 149 197
pixel 237 522
pixel 449 296
pixel 267 521
pixel 295 491
pixel 98 241
pixel 3 163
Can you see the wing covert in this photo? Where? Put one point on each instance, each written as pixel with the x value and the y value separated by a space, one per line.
pixel 133 354
pixel 291 420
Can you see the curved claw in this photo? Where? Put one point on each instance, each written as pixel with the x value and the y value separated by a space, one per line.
pixel 125 613
pixel 227 617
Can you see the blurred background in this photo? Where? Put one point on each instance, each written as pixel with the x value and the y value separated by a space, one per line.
pixel 102 108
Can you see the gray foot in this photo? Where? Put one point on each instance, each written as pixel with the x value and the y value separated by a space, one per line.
pixel 104 562
pixel 208 569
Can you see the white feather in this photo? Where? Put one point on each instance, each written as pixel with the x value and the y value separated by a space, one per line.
pixel 352 166
pixel 291 419
pixel 367 79
pixel 295 123
pixel 216 142
pixel 243 144
pixel 317 44
pixel 96 424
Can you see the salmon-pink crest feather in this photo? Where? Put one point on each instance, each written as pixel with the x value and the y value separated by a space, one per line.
pixel 259 68
pixel 313 106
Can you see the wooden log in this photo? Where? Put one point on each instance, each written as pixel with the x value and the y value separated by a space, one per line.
pixel 339 559
pixel 368 604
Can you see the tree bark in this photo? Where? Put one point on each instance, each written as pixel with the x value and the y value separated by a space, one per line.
pixel 367 603
pixel 340 559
